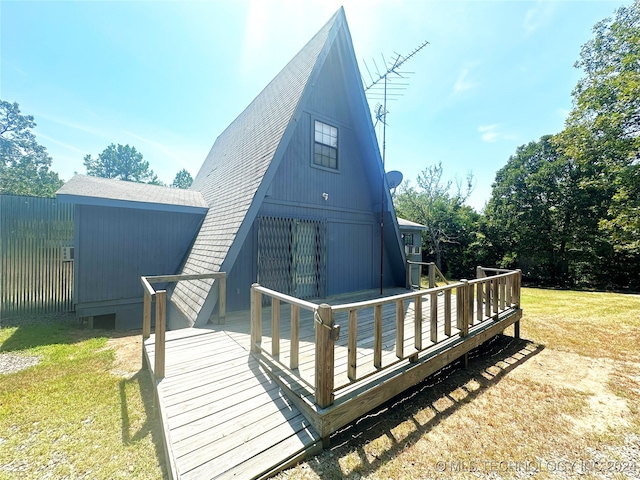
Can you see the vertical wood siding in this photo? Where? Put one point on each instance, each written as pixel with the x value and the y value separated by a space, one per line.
pixel 118 245
pixel 33 276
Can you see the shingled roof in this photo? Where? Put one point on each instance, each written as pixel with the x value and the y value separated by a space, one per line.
pixel 236 173
pixel 108 192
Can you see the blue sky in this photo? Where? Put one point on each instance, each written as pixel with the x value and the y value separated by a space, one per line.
pixel 167 77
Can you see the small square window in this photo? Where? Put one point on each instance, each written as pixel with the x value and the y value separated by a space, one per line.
pixel 325 150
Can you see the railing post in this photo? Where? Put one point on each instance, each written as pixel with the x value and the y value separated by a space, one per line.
pixel 161 309
pixel 324 355
pixel 516 299
pixel 462 306
pixel 256 318
pixel 146 324
pixel 222 300
pixel 432 275
pixel 146 316
pixel 408 280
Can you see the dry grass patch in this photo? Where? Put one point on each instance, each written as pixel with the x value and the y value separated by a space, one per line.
pixel 548 406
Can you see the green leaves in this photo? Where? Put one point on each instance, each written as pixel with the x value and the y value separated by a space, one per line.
pixel 183 179
pixel 122 162
pixel 451 225
pixel 24 164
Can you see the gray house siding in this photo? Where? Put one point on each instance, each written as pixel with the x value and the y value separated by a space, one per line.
pixel 115 246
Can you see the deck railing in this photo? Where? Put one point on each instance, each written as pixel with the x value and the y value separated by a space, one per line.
pixel 433 273
pixel 479 300
pixel 160 297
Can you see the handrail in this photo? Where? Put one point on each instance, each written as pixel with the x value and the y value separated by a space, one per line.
pixel 286 298
pixel 343 307
pixel 432 271
pixel 478 300
pixel 160 297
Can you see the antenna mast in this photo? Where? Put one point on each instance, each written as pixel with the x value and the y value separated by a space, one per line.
pixel 373 90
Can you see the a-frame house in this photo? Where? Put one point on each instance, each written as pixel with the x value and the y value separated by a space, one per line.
pixel 295 187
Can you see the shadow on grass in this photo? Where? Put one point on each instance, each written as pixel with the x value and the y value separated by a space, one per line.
pixel 151 424
pixel 50 330
pixel 487 365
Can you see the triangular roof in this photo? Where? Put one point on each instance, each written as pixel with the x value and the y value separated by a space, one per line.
pixel 242 163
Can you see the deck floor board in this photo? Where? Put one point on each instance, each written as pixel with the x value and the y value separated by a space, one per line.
pixel 221 411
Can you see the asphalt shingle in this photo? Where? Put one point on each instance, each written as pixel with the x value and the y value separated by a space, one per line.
pixel 237 163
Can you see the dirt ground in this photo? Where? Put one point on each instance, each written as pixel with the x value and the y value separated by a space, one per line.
pixel 518 361
pixel 127 347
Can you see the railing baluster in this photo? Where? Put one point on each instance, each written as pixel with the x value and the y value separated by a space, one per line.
pixel 503 293
pixel 487 298
pixel 352 344
pixel 479 301
pixel 466 289
pixel 275 327
pixel 295 337
pixel 459 307
pixel 377 336
pixel 146 317
pixel 417 321
pixel 495 296
pixel 434 317
pixel 469 310
pixel 399 328
pixel 509 280
pixel 447 312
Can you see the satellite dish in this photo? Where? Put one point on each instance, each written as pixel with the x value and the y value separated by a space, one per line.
pixel 394 178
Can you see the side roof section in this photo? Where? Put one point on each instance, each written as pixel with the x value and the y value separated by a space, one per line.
pixel 109 192
pixel 233 172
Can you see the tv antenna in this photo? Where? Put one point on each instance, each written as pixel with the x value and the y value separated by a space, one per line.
pixel 387 84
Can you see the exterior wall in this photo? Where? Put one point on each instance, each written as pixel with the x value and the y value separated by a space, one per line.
pixel 115 246
pixel 351 211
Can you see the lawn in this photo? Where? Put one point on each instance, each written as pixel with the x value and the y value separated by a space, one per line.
pixel 563 401
pixel 79 412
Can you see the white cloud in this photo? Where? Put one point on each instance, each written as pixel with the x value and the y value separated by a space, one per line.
pixel 490 133
pixel 538 17
pixel 463 83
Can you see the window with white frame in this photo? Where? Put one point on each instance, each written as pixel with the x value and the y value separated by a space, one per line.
pixel 325 147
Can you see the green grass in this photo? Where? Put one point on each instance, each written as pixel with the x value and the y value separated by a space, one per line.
pixel 69 416
pixel 593 324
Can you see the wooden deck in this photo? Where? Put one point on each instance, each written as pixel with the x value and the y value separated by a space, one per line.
pixel 222 415
pixel 226 413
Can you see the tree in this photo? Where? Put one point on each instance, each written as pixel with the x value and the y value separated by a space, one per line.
pixel 122 162
pixel 24 164
pixel 183 179
pixel 450 224
pixel 602 135
pixel 537 213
